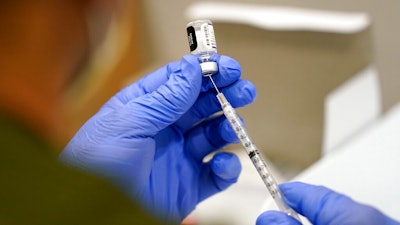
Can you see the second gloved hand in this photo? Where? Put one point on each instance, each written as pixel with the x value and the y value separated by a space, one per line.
pixel 150 138
pixel 322 206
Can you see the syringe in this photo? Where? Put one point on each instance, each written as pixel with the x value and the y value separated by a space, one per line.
pixel 255 156
pixel 202 42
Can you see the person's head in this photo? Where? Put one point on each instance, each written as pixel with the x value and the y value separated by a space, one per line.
pixel 43 46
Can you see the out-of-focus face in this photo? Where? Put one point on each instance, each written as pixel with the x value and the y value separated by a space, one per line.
pixel 98 18
pixel 93 22
pixel 44 45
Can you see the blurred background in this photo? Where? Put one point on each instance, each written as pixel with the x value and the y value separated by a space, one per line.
pixel 296 71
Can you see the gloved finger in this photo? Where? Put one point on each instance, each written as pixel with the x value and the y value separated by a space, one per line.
pixel 149 83
pixel 219 173
pixel 207 137
pixel 320 206
pixel 312 201
pixel 145 116
pixel 239 94
pixel 229 72
pixel 276 218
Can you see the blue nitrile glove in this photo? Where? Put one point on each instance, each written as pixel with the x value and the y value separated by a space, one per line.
pixel 150 138
pixel 322 206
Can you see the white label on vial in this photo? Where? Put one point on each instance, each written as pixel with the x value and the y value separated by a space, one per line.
pixel 208 36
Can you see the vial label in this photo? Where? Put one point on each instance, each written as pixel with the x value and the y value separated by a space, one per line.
pixel 208 35
pixel 201 37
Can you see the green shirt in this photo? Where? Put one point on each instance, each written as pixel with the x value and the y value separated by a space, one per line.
pixel 36 189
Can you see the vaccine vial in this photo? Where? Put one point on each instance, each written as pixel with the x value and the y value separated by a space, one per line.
pixel 202 43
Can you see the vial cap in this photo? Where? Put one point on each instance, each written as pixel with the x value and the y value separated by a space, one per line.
pixel 208 68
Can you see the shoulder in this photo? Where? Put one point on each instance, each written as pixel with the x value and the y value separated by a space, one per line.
pixel 37 189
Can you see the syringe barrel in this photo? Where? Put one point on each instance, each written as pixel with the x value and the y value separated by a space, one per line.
pixel 255 156
pixel 236 123
pixel 248 145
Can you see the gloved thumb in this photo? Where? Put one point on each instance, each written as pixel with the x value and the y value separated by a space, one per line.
pixel 325 206
pixel 160 108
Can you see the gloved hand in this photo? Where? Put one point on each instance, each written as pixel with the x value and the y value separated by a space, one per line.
pixel 150 138
pixel 322 206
